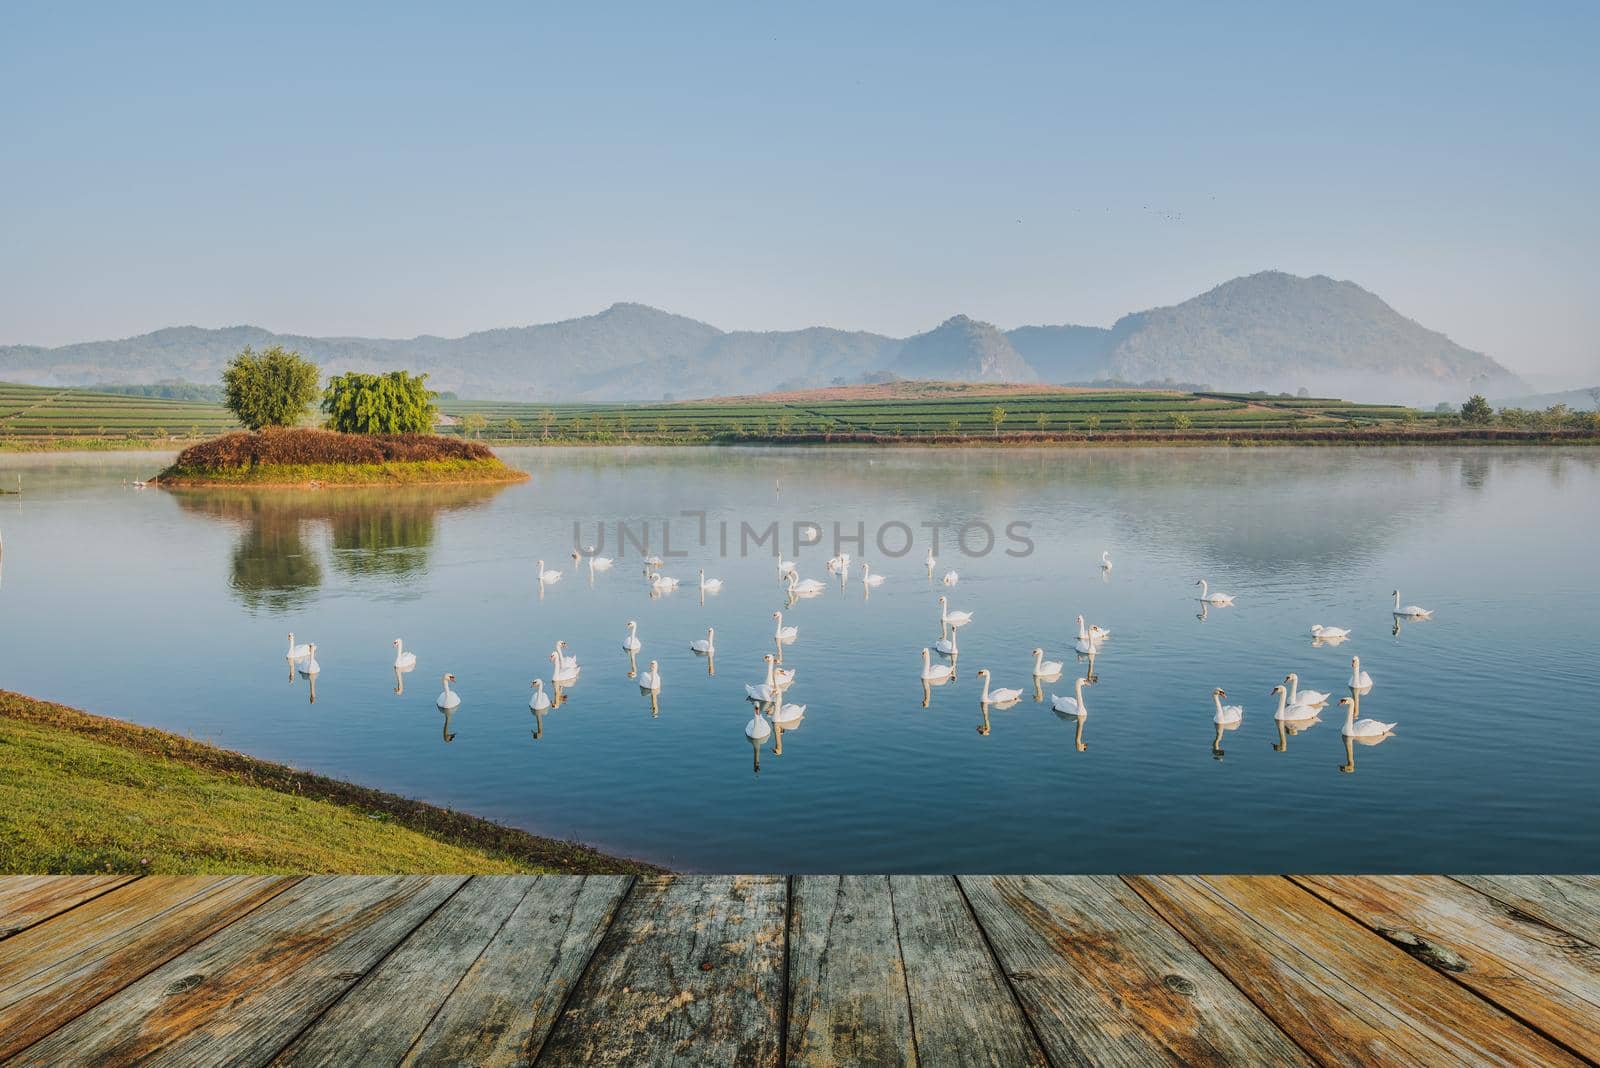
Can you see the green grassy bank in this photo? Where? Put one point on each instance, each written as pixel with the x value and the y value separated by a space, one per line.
pixel 82 793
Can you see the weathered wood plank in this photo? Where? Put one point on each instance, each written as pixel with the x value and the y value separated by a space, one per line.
pixel 847 986
pixel 1570 902
pixel 54 972
pixel 691 972
pixel 240 996
pixel 962 1010
pixel 1544 976
pixel 1105 981
pixel 1342 993
pixel 479 983
pixel 26 900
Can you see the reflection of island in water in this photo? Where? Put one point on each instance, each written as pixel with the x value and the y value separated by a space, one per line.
pixel 373 534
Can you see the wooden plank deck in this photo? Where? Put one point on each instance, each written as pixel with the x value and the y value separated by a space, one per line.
pixel 810 970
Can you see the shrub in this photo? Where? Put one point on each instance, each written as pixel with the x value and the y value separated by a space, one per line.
pixel 393 403
pixel 1476 410
pixel 269 388
pixel 274 447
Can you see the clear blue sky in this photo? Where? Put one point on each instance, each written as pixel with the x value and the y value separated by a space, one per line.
pixel 393 171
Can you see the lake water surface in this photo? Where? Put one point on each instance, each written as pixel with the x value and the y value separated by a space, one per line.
pixel 171 609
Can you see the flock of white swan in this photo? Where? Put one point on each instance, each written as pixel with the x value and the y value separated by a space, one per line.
pixel 1297 707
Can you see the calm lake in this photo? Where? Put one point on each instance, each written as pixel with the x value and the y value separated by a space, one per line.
pixel 171 609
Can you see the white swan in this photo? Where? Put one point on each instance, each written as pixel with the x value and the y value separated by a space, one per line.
pixel 632 643
pixel 562 671
pixel 447 698
pixel 764 692
pixel 930 560
pixel 955 619
pixel 548 576
pixel 706 645
pixel 297 652
pixel 947 640
pixel 868 578
pixel 1226 715
pixel 1086 643
pixel 838 563
pixel 1410 611
pixel 309 665
pixel 780 677
pixel 403 661
pixel 1361 728
pixel 661 583
pixel 784 634
pixel 1105 560
pixel 1045 668
pixel 1360 681
pixel 788 715
pixel 1308 698
pixel 1213 598
pixel 785 567
pixel 650 679
pixel 950 578
pixel 805 587
pixel 540 700
pixel 1329 634
pixel 932 672
pixel 1288 710
pixel 566 660
pixel 1071 706
pixel 709 585
pixel 999 695
pixel 757 729
pixel 600 563
pixel 653 561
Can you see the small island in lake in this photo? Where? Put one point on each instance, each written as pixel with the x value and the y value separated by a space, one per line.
pixel 300 456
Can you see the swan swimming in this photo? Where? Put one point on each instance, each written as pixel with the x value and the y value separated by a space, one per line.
pixel 868 578
pixel 1071 706
pixel 660 583
pixel 764 692
pixel 955 619
pixel 757 729
pixel 998 696
pixel 548 576
pixel 947 640
pixel 706 645
pixel 650 679
pixel 1360 681
pixel 1213 598
pixel 1361 728
pixel 447 698
pixel 566 660
pixel 1226 715
pixel 709 585
pixel 805 587
pixel 632 643
pixel 930 560
pixel 562 671
pixel 1086 642
pixel 1329 634
pixel 932 672
pixel 1308 698
pixel 1105 560
pixel 540 700
pixel 297 652
pixel 403 661
pixel 785 568
pixel 600 563
pixel 950 578
pixel 1288 710
pixel 1043 668
pixel 782 633
pixel 1410 611
pixel 788 715
pixel 309 665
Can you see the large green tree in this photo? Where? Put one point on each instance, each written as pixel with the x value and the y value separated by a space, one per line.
pixel 1476 410
pixel 269 388
pixel 393 403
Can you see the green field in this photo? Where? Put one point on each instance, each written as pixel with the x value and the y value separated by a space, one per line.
pixel 46 412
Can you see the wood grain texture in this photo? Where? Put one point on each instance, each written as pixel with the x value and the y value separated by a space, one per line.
pixel 56 971
pixel 243 994
pixel 26 900
pixel 1106 981
pixel 1570 902
pixel 1344 994
pixel 962 1010
pixel 1541 974
pixel 848 1002
pixel 503 1009
pixel 690 973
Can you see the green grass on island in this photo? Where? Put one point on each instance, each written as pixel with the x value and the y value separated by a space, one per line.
pixel 302 456
pixel 82 793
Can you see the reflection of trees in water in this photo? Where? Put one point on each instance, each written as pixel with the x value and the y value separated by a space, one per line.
pixel 382 534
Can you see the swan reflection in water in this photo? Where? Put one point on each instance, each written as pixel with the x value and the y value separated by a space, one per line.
pixel 633 664
pixel 538 723
pixel 655 702
pixel 1289 727
pixel 448 734
pixel 1349 765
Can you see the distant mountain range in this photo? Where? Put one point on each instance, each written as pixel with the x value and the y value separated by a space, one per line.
pixel 1270 331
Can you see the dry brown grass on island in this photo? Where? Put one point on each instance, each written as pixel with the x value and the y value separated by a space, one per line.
pixel 300 456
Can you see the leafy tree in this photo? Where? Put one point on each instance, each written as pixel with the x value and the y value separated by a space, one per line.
pixel 1040 420
pixel 473 423
pixel 269 388
pixel 513 427
pixel 1131 420
pixel 1476 410
pixel 1092 423
pixel 955 426
pixel 547 419
pixel 997 415
pixel 623 422
pixel 785 420
pixel 393 403
pixel 1181 421
pixel 661 426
